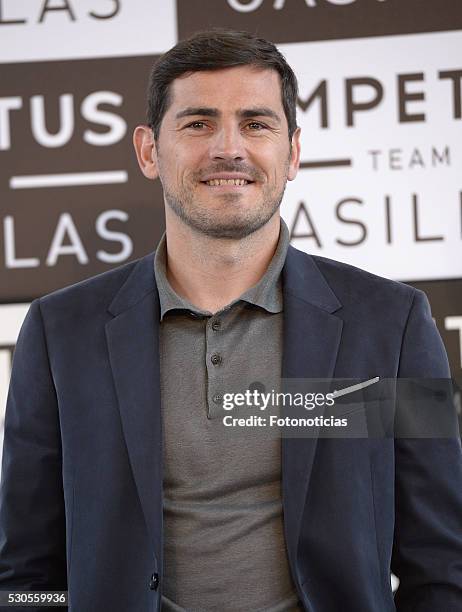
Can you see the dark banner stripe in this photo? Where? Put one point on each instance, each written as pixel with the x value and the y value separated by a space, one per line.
pixel 308 20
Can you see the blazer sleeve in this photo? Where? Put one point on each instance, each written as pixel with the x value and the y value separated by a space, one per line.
pixel 427 552
pixel 32 518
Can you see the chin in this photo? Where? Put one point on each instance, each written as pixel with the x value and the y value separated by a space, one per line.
pixel 231 230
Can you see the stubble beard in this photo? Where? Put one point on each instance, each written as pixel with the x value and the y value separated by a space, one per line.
pixel 209 223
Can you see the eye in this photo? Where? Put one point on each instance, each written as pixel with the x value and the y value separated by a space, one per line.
pixel 256 126
pixel 196 125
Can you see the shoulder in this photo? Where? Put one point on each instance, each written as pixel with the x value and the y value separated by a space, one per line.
pixel 388 314
pixel 351 292
pixel 97 292
pixel 390 307
pixel 352 283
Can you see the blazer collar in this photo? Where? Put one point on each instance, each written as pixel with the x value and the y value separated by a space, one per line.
pixel 139 283
pixel 301 277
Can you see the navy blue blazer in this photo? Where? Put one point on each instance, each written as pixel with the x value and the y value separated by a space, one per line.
pixel 81 492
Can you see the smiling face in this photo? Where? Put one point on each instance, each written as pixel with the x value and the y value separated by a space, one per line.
pixel 223 154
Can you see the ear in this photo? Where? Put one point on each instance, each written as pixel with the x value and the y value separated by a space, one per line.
pixel 146 154
pixel 294 161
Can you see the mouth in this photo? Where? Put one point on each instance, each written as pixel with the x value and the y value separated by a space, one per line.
pixel 223 182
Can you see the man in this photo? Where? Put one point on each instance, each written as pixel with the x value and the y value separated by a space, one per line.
pixel 119 480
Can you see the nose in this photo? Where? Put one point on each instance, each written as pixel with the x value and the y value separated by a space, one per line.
pixel 228 144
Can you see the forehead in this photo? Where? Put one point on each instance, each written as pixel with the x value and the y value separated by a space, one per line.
pixel 228 88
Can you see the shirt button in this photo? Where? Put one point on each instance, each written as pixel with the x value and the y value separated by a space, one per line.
pixel 217 398
pixel 216 325
pixel 257 386
pixel 154 582
pixel 215 359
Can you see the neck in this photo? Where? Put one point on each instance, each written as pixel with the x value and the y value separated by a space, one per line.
pixel 212 272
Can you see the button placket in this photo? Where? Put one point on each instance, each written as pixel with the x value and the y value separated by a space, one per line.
pixel 214 365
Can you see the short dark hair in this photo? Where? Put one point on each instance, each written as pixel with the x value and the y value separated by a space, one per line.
pixel 213 50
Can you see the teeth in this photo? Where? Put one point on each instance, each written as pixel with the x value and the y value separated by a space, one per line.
pixel 218 182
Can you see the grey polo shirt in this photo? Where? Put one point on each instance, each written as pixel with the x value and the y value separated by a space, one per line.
pixel 224 546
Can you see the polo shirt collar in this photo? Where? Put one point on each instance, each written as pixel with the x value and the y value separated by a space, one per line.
pixel 266 294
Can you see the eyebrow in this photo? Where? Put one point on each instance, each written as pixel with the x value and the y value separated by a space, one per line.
pixel 247 113
pixel 198 110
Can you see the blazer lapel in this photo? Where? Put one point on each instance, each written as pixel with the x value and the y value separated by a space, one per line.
pixel 133 342
pixel 311 341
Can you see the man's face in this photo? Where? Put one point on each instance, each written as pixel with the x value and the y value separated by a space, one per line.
pixel 223 154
